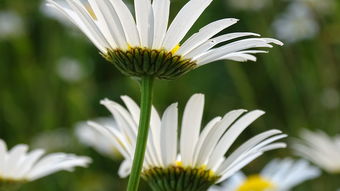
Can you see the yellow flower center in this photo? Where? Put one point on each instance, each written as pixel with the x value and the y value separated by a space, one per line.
pixel 256 183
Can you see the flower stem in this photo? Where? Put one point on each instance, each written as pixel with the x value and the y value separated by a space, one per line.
pixel 143 131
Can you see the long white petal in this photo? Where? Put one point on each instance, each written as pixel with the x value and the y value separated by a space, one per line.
pixel 161 9
pixel 231 135
pixel 183 21
pixel 169 135
pixel 204 34
pixel 215 134
pixel 191 125
pixel 127 22
pixel 144 19
pixel 107 15
pixel 195 53
pixel 87 20
pixel 74 18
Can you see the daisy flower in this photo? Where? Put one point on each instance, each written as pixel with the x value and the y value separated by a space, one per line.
pixel 196 159
pixel 144 44
pixel 320 149
pixel 277 175
pixel 18 166
pixel 92 138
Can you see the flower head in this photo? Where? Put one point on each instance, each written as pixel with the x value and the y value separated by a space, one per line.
pixel 18 166
pixel 278 175
pixel 143 44
pixel 321 149
pixel 199 162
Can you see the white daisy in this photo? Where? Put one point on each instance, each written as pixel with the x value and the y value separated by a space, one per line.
pixel 278 175
pixel 320 149
pixel 297 23
pixel 145 45
pixel 194 161
pixel 90 137
pixel 18 166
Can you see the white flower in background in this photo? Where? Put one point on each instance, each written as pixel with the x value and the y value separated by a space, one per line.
pixel 296 23
pixel 11 24
pixel 51 141
pixel 330 98
pixel 249 5
pixel 200 154
pixel 145 45
pixel 70 70
pixel 321 6
pixel 90 137
pixel 19 166
pixel 278 175
pixel 320 149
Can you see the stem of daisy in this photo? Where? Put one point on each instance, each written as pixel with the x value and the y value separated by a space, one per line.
pixel 143 131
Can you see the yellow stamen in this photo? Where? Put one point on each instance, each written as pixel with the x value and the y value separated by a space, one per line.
pixel 174 50
pixel 90 11
pixel 179 163
pixel 256 183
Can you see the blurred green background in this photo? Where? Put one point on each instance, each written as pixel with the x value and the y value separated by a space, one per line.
pixel 52 77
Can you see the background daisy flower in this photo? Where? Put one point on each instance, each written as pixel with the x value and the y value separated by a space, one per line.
pixel 18 166
pixel 320 149
pixel 277 175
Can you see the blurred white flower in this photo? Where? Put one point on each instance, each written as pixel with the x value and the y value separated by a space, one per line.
pixel 296 24
pixel 252 5
pixel 193 156
pixel 278 175
pixel 18 166
pixel 90 137
pixel 70 70
pixel 330 98
pixel 51 141
pixel 320 149
pixel 11 24
pixel 321 6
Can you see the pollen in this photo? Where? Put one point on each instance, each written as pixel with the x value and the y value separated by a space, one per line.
pixel 174 50
pixel 90 11
pixel 256 183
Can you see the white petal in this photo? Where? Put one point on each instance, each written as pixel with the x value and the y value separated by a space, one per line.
pixel 231 135
pixel 215 134
pixel 244 44
pixel 74 18
pixel 107 16
pixel 127 22
pixel 195 53
pixel 57 162
pixel 183 21
pixel 15 157
pixel 3 155
pixel 204 34
pixel 87 20
pixel 132 107
pixel 203 136
pixel 125 169
pixel 191 125
pixel 144 18
pixel 169 135
pixel 161 10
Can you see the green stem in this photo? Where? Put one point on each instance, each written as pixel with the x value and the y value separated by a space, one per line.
pixel 143 131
